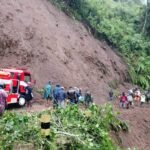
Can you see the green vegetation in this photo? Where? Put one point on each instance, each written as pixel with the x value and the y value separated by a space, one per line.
pixel 124 24
pixel 71 128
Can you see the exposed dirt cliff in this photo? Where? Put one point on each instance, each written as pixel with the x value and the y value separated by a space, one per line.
pixel 36 35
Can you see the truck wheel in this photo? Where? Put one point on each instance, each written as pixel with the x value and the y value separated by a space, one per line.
pixel 21 101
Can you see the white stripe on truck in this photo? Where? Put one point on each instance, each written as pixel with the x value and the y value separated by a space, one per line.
pixel 4 81
pixel 23 83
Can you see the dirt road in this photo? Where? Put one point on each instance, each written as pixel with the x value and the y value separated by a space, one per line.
pixel 138 120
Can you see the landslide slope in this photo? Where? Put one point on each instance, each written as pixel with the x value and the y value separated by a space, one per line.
pixel 139 128
pixel 36 35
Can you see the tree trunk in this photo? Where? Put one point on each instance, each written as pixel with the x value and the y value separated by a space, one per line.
pixel 145 21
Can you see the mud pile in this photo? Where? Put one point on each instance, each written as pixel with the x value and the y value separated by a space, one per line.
pixel 36 35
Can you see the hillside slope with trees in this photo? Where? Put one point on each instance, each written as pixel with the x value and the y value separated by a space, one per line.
pixel 124 24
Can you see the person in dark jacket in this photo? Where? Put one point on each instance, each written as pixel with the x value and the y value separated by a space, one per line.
pixel 88 98
pixel 111 95
pixel 147 95
pixel 55 95
pixel 71 95
pixel 28 95
pixel 61 96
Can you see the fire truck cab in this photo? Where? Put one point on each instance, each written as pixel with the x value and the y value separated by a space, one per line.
pixel 15 81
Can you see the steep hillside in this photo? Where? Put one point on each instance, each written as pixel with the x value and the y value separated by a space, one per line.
pixel 34 34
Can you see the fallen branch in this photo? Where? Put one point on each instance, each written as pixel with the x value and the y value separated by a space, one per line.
pixel 66 133
pixel 69 134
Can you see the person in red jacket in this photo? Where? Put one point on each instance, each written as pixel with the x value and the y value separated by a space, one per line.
pixel 123 100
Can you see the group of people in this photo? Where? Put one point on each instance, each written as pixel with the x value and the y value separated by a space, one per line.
pixel 60 96
pixel 134 97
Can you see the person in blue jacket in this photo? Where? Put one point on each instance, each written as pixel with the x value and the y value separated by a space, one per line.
pixel 60 97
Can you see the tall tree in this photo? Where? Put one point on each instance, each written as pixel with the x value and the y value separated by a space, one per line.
pixel 146 25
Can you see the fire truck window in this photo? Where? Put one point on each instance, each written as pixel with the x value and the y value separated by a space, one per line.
pixel 12 75
pixel 27 78
pixel 18 76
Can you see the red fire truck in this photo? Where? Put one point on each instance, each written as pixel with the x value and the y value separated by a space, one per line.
pixel 15 81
